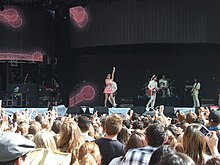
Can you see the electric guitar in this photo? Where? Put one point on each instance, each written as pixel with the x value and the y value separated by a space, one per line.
pixel 151 92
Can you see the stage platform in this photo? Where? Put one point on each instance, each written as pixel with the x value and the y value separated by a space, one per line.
pixel 169 110
pixel 62 110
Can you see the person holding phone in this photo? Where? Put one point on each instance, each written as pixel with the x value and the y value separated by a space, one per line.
pixel 194 143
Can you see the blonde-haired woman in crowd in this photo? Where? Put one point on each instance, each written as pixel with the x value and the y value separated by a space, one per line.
pixel 44 139
pixel 70 138
pixel 194 144
pixel 89 154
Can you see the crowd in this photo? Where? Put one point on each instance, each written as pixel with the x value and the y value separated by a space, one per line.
pixel 131 139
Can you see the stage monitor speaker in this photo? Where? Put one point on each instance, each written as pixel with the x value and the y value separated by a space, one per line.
pixel 139 109
pixel 75 110
pixel 169 111
pixel 101 110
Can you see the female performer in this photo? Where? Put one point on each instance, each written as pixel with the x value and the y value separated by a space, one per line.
pixel 108 88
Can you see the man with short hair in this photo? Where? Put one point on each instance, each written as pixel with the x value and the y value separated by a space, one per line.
pixel 13 148
pixel 109 146
pixel 156 135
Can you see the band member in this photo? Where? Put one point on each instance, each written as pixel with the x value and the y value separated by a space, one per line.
pixel 114 93
pixel 195 93
pixel 108 87
pixel 152 88
pixel 54 94
pixel 164 85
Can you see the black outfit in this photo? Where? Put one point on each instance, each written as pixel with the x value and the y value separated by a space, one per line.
pixel 109 149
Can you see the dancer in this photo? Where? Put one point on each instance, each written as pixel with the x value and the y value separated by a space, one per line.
pixel 108 88
pixel 195 93
pixel 114 93
pixel 152 92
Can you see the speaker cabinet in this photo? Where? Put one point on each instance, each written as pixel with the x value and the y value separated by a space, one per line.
pixel 75 110
pixel 101 110
pixel 139 109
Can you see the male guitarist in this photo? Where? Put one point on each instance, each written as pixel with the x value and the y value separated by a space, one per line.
pixel 152 92
pixel 195 93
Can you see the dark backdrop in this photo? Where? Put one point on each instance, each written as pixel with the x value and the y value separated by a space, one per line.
pixel 173 37
pixel 37 32
pixel 135 64
pixel 149 21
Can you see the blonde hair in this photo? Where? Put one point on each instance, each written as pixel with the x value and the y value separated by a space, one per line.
pixel 45 124
pixel 44 139
pixel 22 128
pixel 194 144
pixel 70 138
pixel 89 154
pixel 113 124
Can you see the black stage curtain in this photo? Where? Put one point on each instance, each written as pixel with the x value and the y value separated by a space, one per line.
pixel 149 21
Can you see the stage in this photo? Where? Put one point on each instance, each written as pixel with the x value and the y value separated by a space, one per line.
pixel 62 110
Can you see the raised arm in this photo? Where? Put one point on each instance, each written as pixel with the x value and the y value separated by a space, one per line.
pixel 113 73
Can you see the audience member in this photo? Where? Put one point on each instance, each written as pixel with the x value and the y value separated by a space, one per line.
pixel 44 139
pixel 194 145
pixel 89 154
pixel 156 135
pixel 136 140
pixel 14 148
pixel 176 159
pixel 42 156
pixel 70 138
pixel 214 124
pixel 191 117
pixel 85 124
pixel 123 135
pixel 158 153
pixel 109 146
pixel 213 161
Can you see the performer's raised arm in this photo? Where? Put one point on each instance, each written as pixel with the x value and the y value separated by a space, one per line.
pixel 113 73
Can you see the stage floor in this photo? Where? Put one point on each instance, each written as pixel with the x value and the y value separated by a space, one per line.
pixel 62 110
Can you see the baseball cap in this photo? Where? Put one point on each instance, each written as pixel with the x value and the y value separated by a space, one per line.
pixel 214 116
pixel 13 146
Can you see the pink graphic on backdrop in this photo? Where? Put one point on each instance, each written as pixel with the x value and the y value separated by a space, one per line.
pixel 11 17
pixel 35 57
pixel 86 93
pixel 79 16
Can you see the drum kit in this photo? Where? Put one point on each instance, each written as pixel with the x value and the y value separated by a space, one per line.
pixel 167 88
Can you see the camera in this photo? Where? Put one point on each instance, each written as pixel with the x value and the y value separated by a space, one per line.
pixel 204 131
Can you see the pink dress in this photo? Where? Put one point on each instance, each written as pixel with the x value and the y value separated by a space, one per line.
pixel 108 88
